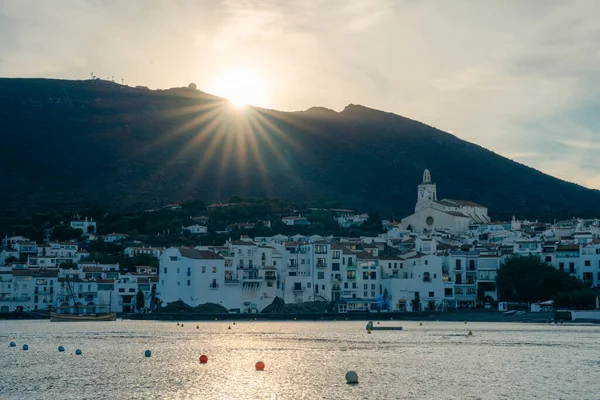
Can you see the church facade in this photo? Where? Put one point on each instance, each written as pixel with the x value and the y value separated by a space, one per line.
pixel 433 214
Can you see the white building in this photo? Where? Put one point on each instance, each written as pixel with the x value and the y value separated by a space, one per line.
pixel 87 226
pixel 195 229
pixel 433 214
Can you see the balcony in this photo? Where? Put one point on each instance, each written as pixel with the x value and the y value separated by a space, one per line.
pixel 232 281
pixel 270 277
pixel 336 280
pixel 426 279
pixel 321 265
pixel 213 286
pixel 17 298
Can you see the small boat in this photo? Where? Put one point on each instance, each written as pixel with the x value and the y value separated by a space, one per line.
pixel 78 316
pixel 58 317
pixel 511 312
pixel 370 327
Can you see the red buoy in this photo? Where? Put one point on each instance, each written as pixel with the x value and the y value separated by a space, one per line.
pixel 203 359
pixel 260 366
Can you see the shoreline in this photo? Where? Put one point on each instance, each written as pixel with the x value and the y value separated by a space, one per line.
pixel 433 316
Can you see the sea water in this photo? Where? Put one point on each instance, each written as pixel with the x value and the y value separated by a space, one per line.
pixel 304 360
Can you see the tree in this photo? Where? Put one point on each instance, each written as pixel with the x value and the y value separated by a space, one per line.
pixel 64 233
pixel 139 300
pixel 529 279
pixel 10 260
pixel 68 265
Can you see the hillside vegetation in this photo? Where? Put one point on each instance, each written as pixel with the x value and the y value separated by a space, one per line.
pixel 71 144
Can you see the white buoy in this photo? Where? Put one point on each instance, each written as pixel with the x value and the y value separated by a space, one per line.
pixel 25 347
pixel 351 377
pixel 78 352
pixel 61 349
pixel 147 353
pixel 12 344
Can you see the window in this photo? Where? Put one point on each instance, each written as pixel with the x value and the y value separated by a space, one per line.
pixel 354 285
pixel 336 254
pixel 173 258
pixel 203 269
pixel 250 263
pixel 214 270
pixel 308 285
pixel 588 263
pixel 561 267
pixel 320 248
pixel 321 275
pixel 471 265
pixel 346 283
pixel 571 267
pixel 366 275
pixel 588 276
pixel 131 290
pixel 121 290
pixel 178 283
pixel 162 282
pixel 366 286
pixel 431 294
pixel 189 272
pixel 426 262
pixel 335 266
pixel 165 270
pixel 177 270
pixel 448 292
pixel 548 259
pixel 458 264
pixel 372 286
pixel 323 287
pixel 189 283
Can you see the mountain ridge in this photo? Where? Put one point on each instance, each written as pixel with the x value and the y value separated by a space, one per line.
pixel 71 143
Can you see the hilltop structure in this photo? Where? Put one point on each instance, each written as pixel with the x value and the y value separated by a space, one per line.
pixel 444 215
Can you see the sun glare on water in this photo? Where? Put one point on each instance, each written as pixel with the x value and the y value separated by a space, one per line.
pixel 241 87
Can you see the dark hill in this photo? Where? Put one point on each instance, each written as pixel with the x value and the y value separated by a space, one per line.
pixel 66 144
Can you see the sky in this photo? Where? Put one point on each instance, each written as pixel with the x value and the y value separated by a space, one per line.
pixel 520 78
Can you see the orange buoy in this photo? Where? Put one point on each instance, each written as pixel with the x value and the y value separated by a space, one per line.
pixel 260 366
pixel 203 359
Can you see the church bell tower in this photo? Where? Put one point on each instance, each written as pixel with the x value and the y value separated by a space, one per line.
pixel 426 192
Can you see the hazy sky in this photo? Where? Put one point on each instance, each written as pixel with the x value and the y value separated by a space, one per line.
pixel 518 77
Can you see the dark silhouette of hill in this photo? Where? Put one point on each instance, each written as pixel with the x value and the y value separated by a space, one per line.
pixel 67 144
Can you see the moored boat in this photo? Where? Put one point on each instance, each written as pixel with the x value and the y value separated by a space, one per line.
pixel 78 316
pixel 371 327
pixel 58 317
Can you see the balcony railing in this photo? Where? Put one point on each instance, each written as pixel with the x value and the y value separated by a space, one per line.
pixel 270 277
pixel 232 281
pixel 322 265
pixel 426 279
pixel 213 286
pixel 18 298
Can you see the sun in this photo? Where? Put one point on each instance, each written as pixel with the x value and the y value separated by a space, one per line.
pixel 241 87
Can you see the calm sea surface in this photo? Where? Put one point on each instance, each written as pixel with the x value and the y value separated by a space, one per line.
pixel 304 360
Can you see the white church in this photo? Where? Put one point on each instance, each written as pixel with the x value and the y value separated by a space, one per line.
pixel 451 215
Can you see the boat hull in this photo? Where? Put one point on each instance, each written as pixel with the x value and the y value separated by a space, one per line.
pixel 56 317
